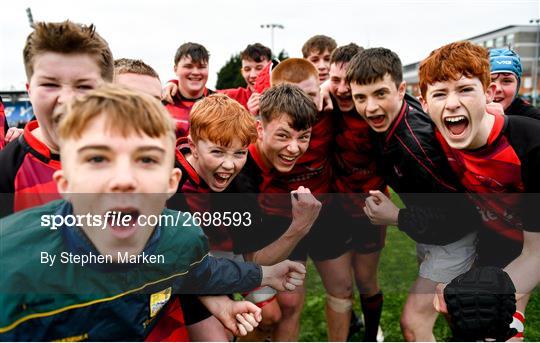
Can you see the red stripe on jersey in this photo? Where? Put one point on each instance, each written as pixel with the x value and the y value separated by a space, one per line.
pixel 34 184
pixel 2 123
pixel 313 169
pixel 180 110
pixel 356 166
pixel 272 183
pixel 396 121
pixel 494 168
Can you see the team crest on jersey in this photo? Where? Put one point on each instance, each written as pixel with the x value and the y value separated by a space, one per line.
pixel 158 300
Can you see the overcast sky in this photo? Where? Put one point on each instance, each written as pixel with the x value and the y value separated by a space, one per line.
pixel 152 30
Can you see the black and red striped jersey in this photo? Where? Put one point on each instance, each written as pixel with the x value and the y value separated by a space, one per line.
pixel 508 163
pixel 180 110
pixel 198 197
pixel 355 168
pixel 313 169
pixel 26 169
pixel 412 162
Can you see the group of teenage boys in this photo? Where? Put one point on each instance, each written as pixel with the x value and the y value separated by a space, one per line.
pixel 300 173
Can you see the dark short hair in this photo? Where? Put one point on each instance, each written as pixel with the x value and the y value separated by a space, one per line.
pixel 197 52
pixel 373 64
pixel 319 44
pixel 256 52
pixel 345 53
pixel 133 66
pixel 288 99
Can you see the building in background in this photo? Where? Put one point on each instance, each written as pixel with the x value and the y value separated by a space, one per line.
pixel 17 107
pixel 523 39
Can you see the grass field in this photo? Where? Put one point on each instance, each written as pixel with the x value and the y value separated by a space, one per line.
pixel 397 271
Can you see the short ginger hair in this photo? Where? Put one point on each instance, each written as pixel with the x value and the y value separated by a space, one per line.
pixel 293 70
pixel 452 61
pixel 220 119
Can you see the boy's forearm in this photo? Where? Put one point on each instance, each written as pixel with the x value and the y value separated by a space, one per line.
pixel 280 249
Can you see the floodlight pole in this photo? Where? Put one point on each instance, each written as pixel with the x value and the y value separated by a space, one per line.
pixel 30 17
pixel 272 27
pixel 535 62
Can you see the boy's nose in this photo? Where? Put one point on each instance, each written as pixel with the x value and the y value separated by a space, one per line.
pixel 123 180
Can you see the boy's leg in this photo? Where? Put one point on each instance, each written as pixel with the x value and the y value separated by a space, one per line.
pixel 419 315
pixel 366 277
pixel 337 280
pixel 271 315
pixel 440 264
pixel 291 304
pixel 367 242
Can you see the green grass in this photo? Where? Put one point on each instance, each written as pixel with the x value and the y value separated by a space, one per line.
pixel 397 270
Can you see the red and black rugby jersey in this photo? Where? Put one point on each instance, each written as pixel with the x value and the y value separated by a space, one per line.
pixel 239 94
pixel 508 163
pixel 180 110
pixel 412 162
pixel 265 195
pixel 26 169
pixel 198 197
pixel 313 169
pixel 355 170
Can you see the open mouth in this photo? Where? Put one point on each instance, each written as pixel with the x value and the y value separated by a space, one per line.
pixel 377 120
pixel 122 221
pixel 498 99
pixel 456 125
pixel 344 100
pixel 222 178
pixel 287 160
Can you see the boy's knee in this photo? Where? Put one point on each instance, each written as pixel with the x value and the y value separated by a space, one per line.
pixel 339 304
pixel 271 315
pixel 291 304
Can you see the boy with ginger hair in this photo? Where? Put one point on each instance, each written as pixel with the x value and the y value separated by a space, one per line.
pixel 490 153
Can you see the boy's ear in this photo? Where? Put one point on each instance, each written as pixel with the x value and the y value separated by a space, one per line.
pixel 61 181
pixel 424 103
pixel 401 89
pixel 174 179
pixel 490 92
pixel 27 88
pixel 193 147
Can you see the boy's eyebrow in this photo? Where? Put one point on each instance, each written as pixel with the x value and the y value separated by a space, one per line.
pixel 107 148
pixel 383 88
pixel 93 147
pixel 150 148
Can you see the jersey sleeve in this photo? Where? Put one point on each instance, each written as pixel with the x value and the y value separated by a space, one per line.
pixel 222 276
pixel 523 134
pixel 438 218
